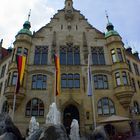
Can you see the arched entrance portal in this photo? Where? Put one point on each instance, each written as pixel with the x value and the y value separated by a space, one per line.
pixel 70 112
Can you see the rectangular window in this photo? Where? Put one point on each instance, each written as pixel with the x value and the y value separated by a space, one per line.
pixel 3 71
pixel 70 81
pixel 0 87
pixel 8 80
pixel 39 82
pixel 64 81
pixel 129 65
pixel 124 77
pixel 14 79
pixel 69 55
pixel 63 59
pixel 113 56
pixel 120 57
pixel 118 79
pixel 100 82
pixel 25 52
pixel 41 55
pixel 133 84
pixel 98 57
pixel 136 69
pixel 19 50
pixel 139 84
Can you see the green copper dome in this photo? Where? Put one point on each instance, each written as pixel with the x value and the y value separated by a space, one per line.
pixel 110 30
pixel 26 29
pixel 110 33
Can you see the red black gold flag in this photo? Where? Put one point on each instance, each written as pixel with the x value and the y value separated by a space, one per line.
pixel 57 66
pixel 21 60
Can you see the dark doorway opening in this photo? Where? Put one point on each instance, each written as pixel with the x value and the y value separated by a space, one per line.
pixel 70 112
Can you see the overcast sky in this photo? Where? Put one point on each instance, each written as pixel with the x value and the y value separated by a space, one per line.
pixel 124 14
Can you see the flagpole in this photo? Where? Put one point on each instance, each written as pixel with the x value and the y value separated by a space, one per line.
pixel 14 100
pixel 90 91
pixel 55 86
pixel 93 106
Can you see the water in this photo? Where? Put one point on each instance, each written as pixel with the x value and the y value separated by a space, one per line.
pixel 74 132
pixel 53 116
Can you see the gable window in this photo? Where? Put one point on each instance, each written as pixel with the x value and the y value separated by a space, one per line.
pixel 118 79
pixel 105 107
pixel 39 81
pixel 100 82
pixel 35 107
pixel 41 55
pixel 70 80
pixel 98 56
pixel 69 55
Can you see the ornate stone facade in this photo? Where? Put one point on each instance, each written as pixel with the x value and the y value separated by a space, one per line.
pixel 69 33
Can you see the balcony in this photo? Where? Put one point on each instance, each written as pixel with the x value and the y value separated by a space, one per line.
pixel 9 94
pixel 124 94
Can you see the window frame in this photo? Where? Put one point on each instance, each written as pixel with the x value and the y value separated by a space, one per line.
pixel 106 104
pixel 37 108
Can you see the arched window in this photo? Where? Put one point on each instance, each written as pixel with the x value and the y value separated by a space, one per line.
pixel 136 107
pixel 106 107
pixel 5 107
pixel 35 107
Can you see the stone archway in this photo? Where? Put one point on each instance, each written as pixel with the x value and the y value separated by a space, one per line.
pixel 70 112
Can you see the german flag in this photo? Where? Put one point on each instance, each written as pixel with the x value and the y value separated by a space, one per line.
pixel 21 60
pixel 57 67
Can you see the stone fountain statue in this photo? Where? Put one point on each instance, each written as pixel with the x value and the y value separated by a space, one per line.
pixel 8 131
pixel 52 130
pixel 74 131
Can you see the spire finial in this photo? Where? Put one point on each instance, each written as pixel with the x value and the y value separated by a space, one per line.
pixel 68 3
pixel 107 17
pixel 29 14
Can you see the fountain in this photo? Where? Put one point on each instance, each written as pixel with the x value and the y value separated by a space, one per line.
pixel 34 130
pixel 74 131
pixel 8 131
pixel 52 130
pixel 53 116
pixel 33 126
